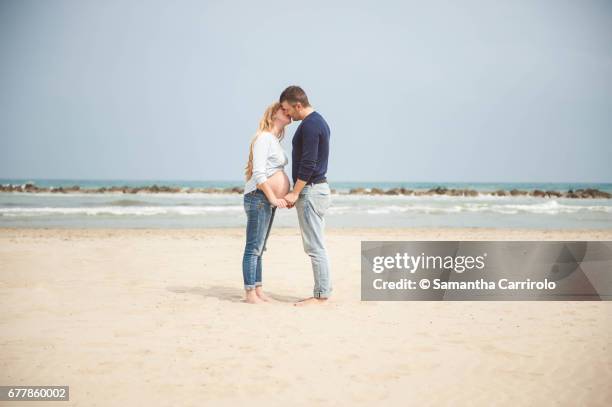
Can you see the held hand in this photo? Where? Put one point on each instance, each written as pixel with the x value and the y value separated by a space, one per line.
pixel 291 198
pixel 280 203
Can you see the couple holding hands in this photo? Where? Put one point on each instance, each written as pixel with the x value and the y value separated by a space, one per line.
pixel 267 188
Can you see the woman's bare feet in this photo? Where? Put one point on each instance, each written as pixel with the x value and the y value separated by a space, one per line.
pixel 311 301
pixel 262 296
pixel 252 297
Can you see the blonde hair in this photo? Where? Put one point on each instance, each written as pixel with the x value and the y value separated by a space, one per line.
pixel 265 124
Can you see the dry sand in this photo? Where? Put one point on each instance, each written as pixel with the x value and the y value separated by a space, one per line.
pixel 155 317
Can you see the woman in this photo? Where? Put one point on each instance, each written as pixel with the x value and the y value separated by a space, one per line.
pixel 266 185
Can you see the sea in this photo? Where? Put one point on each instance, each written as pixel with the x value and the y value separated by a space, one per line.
pixel 219 210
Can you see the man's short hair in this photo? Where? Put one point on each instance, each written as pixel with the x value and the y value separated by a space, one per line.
pixel 293 95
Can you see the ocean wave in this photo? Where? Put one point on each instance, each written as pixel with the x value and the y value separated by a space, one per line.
pixel 546 208
pixel 144 195
pixel 120 210
pixel 460 199
pixel 129 202
pixel 383 210
pixel 141 208
pixel 552 207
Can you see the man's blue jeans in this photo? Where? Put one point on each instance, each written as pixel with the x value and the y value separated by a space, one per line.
pixel 260 215
pixel 311 206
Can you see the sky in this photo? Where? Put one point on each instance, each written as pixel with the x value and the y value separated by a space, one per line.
pixel 413 91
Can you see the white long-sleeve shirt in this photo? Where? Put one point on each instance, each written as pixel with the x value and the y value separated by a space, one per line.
pixel 268 157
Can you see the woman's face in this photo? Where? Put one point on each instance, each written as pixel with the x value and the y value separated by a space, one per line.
pixel 282 118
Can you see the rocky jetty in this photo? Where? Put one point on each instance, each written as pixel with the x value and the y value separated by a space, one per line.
pixel 117 189
pixel 578 193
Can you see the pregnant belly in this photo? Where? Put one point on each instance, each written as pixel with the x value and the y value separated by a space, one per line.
pixel 279 182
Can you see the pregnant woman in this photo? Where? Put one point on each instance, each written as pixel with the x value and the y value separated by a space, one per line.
pixel 266 185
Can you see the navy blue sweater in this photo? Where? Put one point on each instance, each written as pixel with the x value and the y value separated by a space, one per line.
pixel 310 149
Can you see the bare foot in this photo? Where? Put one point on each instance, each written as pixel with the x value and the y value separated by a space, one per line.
pixel 263 296
pixel 252 298
pixel 311 301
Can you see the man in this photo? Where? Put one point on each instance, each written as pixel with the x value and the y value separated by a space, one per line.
pixel 311 192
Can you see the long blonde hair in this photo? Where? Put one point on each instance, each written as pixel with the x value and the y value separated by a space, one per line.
pixel 265 124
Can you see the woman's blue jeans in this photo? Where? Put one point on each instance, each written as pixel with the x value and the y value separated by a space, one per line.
pixel 260 215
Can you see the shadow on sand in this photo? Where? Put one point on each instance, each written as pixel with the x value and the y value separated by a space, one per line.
pixel 223 293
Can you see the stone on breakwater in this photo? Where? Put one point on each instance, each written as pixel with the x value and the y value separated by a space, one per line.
pixel 586 193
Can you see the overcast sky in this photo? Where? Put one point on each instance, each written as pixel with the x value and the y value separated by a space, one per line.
pixel 413 91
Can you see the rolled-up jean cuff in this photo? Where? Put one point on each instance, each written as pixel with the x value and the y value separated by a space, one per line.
pixel 249 287
pixel 258 284
pixel 322 294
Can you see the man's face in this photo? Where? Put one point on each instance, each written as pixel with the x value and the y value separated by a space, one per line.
pixel 291 111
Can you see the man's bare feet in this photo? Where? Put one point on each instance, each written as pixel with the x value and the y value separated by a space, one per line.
pixel 262 296
pixel 252 298
pixel 311 301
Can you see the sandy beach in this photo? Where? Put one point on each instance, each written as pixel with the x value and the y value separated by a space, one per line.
pixel 156 317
